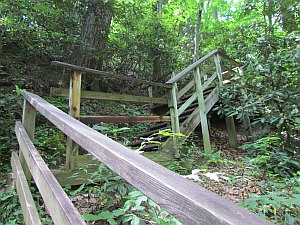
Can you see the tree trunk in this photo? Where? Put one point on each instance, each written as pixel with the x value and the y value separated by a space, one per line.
pixel 94 36
pixel 197 31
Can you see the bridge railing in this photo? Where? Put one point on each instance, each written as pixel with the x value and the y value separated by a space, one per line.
pixel 188 202
pixel 199 81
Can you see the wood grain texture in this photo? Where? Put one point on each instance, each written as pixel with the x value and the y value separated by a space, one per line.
pixel 61 92
pixel 28 120
pixel 74 111
pixel 108 74
pixel 58 204
pixel 29 210
pixel 123 119
pixel 202 112
pixel 187 201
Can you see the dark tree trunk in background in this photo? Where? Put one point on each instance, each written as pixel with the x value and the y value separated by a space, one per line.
pixel 197 31
pixel 94 36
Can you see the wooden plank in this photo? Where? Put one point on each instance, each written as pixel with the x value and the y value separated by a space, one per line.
pixel 228 71
pixel 61 92
pixel 184 90
pixel 219 69
pixel 123 119
pixel 191 67
pixel 28 120
pixel 202 112
pixel 174 116
pixel 109 74
pixel 187 201
pixel 223 55
pixel 211 99
pixel 187 104
pixel 29 210
pixel 231 131
pixel 209 81
pixel 61 209
pixel 193 120
pixel 74 111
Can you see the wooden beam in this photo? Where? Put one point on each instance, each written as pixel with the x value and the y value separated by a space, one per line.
pixel 109 96
pixel 231 131
pixel 187 201
pixel 218 69
pixel 184 90
pixel 174 117
pixel 191 67
pixel 209 81
pixel 29 210
pixel 123 119
pixel 187 103
pixel 74 111
pixel 223 55
pixel 61 209
pixel 108 74
pixel 28 120
pixel 202 112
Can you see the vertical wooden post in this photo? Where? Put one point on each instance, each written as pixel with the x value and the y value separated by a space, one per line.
pixel 219 70
pixel 230 126
pixel 28 121
pixel 74 111
pixel 203 118
pixel 172 98
pixel 233 142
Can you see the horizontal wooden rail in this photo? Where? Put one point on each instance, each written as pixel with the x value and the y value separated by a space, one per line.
pixel 191 67
pixel 29 209
pixel 232 61
pixel 62 92
pixel 187 201
pixel 123 119
pixel 60 207
pixel 108 74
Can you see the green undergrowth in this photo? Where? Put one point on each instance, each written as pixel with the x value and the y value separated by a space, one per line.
pixel 114 201
pixel 268 165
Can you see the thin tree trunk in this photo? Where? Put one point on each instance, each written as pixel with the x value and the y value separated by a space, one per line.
pixel 197 31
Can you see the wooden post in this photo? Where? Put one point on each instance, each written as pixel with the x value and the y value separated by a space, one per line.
pixel 172 102
pixel 203 118
pixel 230 126
pixel 74 111
pixel 233 142
pixel 28 120
pixel 219 70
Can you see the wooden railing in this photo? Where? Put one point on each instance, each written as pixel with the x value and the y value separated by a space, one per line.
pixel 185 200
pixel 75 95
pixel 200 75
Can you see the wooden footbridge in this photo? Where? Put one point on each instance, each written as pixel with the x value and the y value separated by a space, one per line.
pixel 185 200
pixel 187 97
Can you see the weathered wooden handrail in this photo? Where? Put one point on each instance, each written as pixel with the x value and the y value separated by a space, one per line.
pixel 109 74
pixel 63 92
pixel 191 67
pixel 187 201
pixel 60 207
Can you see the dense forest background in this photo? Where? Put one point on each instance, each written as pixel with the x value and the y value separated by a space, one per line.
pixel 150 39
